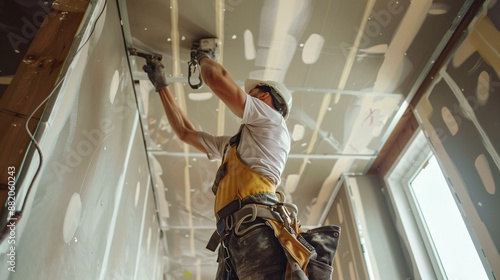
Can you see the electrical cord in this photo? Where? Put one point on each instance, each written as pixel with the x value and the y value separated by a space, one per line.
pixel 32 138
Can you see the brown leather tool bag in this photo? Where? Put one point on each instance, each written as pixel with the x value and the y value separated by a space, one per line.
pixel 310 254
pixel 325 240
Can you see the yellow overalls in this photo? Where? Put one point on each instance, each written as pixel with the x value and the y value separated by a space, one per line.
pixel 237 181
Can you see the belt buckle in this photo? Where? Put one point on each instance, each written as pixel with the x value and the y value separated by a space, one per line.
pixel 228 209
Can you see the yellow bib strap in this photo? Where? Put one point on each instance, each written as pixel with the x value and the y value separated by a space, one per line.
pixel 239 181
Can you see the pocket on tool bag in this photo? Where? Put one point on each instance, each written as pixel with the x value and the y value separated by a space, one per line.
pixel 319 270
pixel 325 240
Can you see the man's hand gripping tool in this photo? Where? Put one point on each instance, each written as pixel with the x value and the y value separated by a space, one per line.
pixel 147 57
pixel 204 47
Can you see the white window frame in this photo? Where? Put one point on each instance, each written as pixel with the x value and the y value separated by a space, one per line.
pixel 422 256
pixel 422 262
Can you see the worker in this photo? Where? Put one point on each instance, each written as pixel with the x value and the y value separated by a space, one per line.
pixel 252 163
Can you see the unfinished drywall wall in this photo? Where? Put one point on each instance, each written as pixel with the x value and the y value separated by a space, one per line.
pixel 91 213
pixel 349 262
pixel 460 116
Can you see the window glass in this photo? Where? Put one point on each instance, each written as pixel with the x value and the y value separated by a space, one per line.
pixel 444 225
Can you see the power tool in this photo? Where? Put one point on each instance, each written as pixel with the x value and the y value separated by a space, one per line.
pixel 147 57
pixel 206 45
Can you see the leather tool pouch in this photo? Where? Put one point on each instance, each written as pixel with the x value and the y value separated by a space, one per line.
pixel 325 240
pixel 310 254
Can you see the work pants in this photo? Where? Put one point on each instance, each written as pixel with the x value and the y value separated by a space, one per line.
pixel 256 255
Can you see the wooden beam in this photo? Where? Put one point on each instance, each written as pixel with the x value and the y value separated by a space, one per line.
pixel 400 136
pixel 407 125
pixel 34 81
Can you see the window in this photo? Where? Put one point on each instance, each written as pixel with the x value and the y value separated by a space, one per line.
pixel 429 220
pixel 443 223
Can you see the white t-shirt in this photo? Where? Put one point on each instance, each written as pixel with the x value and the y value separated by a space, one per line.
pixel 264 143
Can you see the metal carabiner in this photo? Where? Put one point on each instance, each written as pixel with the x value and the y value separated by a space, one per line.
pixel 192 67
pixel 225 259
pixel 284 216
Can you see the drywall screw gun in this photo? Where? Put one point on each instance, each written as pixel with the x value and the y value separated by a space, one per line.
pixel 207 45
pixel 147 57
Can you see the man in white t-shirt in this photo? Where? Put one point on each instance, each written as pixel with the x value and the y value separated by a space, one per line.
pixel 252 163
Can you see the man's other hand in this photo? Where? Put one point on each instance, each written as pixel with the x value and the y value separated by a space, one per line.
pixel 206 48
pixel 156 73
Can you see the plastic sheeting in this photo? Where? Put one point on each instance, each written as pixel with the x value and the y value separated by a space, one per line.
pixel 91 213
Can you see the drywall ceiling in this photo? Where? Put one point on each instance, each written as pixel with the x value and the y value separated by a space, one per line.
pixel 352 66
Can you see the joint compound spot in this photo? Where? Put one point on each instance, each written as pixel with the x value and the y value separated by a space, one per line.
pixel 484 171
pixel 340 213
pixel 148 240
pixel 449 120
pixel 298 132
pixel 250 52
pixel 483 88
pixel 202 96
pixel 113 89
pixel 312 48
pixel 137 192
pixel 438 9
pixel 72 217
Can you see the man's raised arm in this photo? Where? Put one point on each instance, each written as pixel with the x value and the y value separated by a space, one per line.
pixel 178 120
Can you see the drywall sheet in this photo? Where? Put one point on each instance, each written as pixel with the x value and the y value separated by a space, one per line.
pixel 460 116
pixel 91 213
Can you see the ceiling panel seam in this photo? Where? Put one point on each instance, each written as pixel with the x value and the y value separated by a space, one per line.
pixel 325 190
pixel 219 32
pixel 180 79
pixel 179 93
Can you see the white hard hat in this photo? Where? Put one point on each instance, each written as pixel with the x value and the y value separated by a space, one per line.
pixel 282 95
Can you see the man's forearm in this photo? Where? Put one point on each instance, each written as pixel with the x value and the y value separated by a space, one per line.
pixel 176 117
pixel 178 120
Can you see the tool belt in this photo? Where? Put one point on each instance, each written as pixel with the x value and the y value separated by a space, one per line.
pixel 310 254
